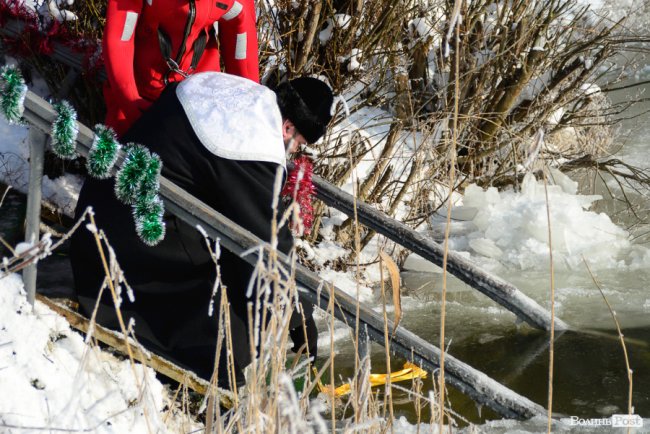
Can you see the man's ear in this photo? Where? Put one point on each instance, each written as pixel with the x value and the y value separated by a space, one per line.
pixel 287 129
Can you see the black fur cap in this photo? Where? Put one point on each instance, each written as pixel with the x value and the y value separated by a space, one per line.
pixel 307 102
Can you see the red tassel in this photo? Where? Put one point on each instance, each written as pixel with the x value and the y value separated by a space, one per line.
pixel 300 188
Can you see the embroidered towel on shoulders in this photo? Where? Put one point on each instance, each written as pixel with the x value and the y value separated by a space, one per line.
pixel 234 117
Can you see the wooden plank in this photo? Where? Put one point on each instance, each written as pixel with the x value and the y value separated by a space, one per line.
pixel 117 341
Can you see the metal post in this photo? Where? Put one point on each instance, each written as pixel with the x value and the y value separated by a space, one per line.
pixel 32 227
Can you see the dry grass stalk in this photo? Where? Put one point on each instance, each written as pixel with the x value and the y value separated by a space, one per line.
pixel 551 348
pixel 393 272
pixel 630 407
pixel 388 395
pixel 452 173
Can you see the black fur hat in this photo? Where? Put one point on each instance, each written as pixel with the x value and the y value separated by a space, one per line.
pixel 307 102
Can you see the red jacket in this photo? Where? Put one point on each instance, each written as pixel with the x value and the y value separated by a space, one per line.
pixel 134 61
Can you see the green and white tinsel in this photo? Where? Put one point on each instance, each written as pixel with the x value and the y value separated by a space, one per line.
pixel 12 94
pixel 148 209
pixel 149 223
pixel 150 182
pixel 64 130
pixel 129 177
pixel 103 152
pixel 137 182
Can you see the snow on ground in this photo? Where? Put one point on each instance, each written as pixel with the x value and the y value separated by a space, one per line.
pixel 50 379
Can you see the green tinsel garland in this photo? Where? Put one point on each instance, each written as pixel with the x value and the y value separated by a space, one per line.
pixel 129 177
pixel 64 131
pixel 148 209
pixel 103 153
pixel 137 182
pixel 149 223
pixel 12 94
pixel 150 183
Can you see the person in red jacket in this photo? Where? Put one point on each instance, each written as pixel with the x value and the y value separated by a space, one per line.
pixel 150 43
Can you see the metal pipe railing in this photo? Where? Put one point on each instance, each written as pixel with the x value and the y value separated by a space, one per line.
pixel 37 140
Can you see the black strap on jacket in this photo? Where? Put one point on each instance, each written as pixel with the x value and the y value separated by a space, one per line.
pixel 197 47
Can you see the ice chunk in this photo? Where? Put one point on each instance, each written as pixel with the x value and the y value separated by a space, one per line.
pixel 590 89
pixel 567 184
pixel 464 213
pixel 513 227
pixel 415 262
pixel 486 247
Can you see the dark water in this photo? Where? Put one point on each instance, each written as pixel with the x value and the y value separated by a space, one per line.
pixel 590 378
pixel 54 277
pixel 12 213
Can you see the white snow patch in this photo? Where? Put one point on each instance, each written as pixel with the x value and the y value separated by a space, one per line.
pixel 51 380
pixel 61 193
pixel 347 283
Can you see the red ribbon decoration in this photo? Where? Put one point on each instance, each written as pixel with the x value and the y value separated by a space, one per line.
pixel 300 188
pixel 38 39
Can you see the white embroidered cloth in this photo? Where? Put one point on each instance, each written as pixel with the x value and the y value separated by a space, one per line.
pixel 235 118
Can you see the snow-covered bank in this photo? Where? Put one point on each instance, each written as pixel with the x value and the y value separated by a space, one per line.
pixel 51 380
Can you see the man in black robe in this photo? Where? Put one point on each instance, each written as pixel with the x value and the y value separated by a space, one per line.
pixel 221 138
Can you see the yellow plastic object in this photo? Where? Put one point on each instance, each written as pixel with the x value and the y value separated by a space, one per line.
pixel 409 372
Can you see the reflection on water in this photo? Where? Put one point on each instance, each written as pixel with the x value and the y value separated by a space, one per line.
pixel 589 372
pixel 590 378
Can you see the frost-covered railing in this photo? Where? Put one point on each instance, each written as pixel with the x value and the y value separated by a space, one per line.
pixel 502 292
pixel 478 386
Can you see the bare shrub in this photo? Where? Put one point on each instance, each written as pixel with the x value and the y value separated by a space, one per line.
pixel 522 68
